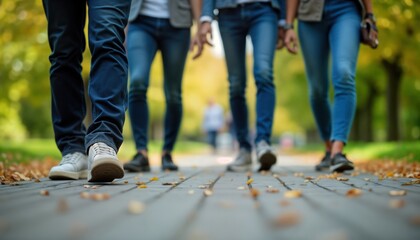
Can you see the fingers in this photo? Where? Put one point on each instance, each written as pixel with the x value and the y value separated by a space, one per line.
pixel 280 38
pixel 291 42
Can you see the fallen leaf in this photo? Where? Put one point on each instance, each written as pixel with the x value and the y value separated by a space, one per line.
pixel 284 203
pixel 241 188
pixel 354 192
pixel 191 192
pixel 154 178
pixel 249 181
pixel 202 186
pixel 342 179
pixel 412 182
pixel 136 207
pixel 287 219
pixel 299 174
pixel 367 179
pixel 309 178
pixel 100 196
pixel 272 190
pixel 208 192
pixel 37 180
pixel 293 194
pixel 125 182
pixel 142 186
pixel 85 195
pixel 62 206
pixel 44 192
pixel 397 192
pixel 396 203
pixel 86 186
pixel 182 178
pixel 254 192
pixel 140 183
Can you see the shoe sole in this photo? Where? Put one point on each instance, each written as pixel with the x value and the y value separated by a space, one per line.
pixel 321 169
pixel 105 170
pixel 62 175
pixel 267 160
pixel 341 167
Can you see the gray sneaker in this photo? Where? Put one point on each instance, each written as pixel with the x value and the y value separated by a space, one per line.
pixel 265 156
pixel 242 162
pixel 72 166
pixel 103 163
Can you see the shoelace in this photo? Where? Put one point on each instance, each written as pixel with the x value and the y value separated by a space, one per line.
pixel 70 159
pixel 103 148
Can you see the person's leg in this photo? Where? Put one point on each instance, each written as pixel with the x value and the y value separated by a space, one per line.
pixel 313 37
pixel 66 21
pixel 141 50
pixel 107 87
pixel 263 32
pixel 233 32
pixel 345 40
pixel 314 43
pixel 174 44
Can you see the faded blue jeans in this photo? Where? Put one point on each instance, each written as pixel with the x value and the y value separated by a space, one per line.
pixel 336 36
pixel 259 21
pixel 108 74
pixel 146 35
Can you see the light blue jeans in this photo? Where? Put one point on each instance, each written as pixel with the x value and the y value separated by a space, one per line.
pixel 147 35
pixel 258 20
pixel 336 36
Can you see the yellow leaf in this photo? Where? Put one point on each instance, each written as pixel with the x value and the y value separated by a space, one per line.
pixel 249 181
pixel 293 194
pixel 142 186
pixel 154 178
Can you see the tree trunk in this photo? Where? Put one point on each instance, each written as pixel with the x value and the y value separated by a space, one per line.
pixel 370 106
pixel 394 73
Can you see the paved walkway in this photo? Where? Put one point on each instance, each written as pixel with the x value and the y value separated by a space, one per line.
pixel 205 202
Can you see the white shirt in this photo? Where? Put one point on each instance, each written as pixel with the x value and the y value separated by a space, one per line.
pixel 155 8
pixel 213 118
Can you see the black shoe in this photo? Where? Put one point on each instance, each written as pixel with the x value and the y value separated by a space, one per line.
pixel 325 162
pixel 167 163
pixel 339 163
pixel 140 163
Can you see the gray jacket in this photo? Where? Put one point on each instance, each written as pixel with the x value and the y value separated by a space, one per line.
pixel 180 13
pixel 210 5
pixel 311 10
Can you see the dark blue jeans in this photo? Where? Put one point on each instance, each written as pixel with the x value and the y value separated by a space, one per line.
pixel 338 36
pixel 147 35
pixel 259 20
pixel 108 75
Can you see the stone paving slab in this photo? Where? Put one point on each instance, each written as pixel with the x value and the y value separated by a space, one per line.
pixel 206 202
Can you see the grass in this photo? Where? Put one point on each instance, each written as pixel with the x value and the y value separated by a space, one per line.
pixel 39 149
pixel 409 151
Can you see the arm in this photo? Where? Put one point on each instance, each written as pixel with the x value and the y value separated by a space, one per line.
pixel 281 23
pixel 205 26
pixel 196 6
pixel 290 38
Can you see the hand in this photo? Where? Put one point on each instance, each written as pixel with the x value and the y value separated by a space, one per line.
pixel 195 41
pixel 280 38
pixel 373 33
pixel 204 30
pixel 291 42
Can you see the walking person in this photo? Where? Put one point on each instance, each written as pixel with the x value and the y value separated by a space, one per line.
pixel 107 86
pixel 331 27
pixel 238 19
pixel 157 25
pixel 213 122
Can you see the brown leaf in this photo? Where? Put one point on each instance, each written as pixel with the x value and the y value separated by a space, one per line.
pixel 136 207
pixel 170 183
pixel 125 182
pixel 254 192
pixel 396 203
pixel 44 192
pixel 272 190
pixel 293 194
pixel 342 179
pixel 397 192
pixel 100 196
pixel 354 192
pixel 287 219
pixel 412 182
pixel 62 206
pixel 85 195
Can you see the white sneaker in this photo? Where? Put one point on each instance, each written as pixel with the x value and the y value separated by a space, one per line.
pixel 103 163
pixel 72 166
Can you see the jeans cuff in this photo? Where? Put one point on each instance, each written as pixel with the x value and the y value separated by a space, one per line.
pixel 106 141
